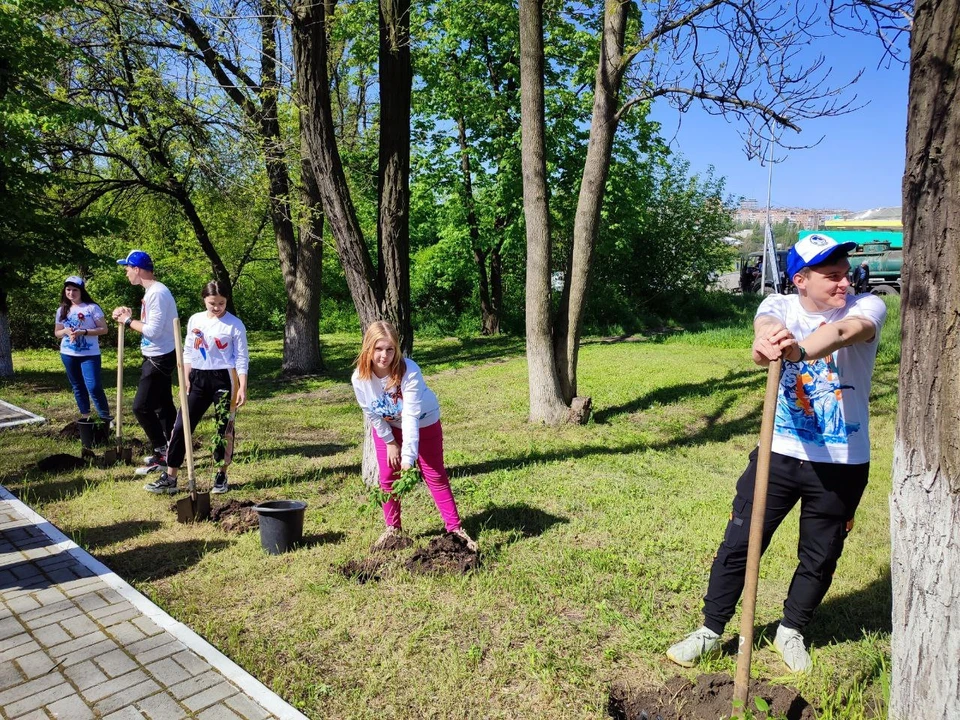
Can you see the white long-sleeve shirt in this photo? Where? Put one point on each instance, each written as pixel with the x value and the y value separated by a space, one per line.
pixel 214 343
pixel 410 407
pixel 157 311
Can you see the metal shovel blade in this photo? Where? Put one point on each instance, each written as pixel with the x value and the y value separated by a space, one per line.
pixel 194 508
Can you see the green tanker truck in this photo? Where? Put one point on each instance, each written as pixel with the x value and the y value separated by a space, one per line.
pixel 885 266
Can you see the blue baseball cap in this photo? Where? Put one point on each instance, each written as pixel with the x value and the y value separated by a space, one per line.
pixel 138 259
pixel 74 280
pixel 813 250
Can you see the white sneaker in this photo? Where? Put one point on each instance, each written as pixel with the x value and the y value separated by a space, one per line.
pixel 702 641
pixel 789 643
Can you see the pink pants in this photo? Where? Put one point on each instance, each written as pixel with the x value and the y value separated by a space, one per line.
pixel 434 474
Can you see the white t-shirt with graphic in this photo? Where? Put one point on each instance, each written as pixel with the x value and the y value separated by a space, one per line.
pixel 410 407
pixel 214 343
pixel 157 311
pixel 80 317
pixel 823 405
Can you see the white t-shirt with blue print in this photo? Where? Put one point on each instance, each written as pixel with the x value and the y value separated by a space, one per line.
pixel 80 317
pixel 823 405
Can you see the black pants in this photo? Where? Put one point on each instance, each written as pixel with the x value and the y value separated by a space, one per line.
pixel 828 493
pixel 207 387
pixel 153 404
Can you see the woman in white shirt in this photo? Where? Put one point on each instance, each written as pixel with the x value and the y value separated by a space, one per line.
pixel 78 324
pixel 405 419
pixel 216 361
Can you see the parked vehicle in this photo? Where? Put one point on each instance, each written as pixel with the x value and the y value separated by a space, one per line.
pixel 750 272
pixel 885 266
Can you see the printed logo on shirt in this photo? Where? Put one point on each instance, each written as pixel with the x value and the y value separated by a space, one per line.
pixel 810 404
pixel 200 343
pixel 144 342
pixel 389 406
pixel 221 345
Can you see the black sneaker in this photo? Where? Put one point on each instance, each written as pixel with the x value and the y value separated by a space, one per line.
pixel 220 485
pixel 151 463
pixel 163 484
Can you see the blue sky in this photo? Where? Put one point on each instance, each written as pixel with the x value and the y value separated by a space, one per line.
pixel 858 164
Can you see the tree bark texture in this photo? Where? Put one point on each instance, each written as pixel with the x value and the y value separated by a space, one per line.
pixel 6 347
pixel 925 502
pixel 586 227
pixel 546 401
pixel 310 61
pixel 301 339
pixel 393 226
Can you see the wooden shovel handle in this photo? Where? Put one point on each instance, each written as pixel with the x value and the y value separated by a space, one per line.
pixel 184 409
pixel 748 611
pixel 118 415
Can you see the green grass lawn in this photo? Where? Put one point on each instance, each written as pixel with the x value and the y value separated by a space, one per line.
pixel 597 540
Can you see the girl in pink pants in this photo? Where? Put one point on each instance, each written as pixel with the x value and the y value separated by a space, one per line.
pixel 405 419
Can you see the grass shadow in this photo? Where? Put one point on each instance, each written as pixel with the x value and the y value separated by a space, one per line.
pixel 750 381
pixel 849 617
pixel 519 518
pixel 334 537
pixel 99 536
pixel 307 451
pixel 159 560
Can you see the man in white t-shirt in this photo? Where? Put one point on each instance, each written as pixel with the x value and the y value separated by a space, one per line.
pixel 821 445
pixel 153 404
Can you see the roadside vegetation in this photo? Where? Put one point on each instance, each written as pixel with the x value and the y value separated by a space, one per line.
pixel 597 540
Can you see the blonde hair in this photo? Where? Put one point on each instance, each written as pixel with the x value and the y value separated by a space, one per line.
pixel 377 331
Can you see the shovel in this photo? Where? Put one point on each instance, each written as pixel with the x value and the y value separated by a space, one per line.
pixel 741 681
pixel 124 455
pixel 196 506
pixel 230 430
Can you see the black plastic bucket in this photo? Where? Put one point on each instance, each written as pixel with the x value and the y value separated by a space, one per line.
pixel 281 524
pixel 93 433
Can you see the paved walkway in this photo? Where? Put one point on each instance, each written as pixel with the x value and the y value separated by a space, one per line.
pixel 78 642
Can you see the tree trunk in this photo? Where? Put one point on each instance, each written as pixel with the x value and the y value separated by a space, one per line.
pixel 301 340
pixel 490 320
pixel 393 227
pixel 6 347
pixel 220 272
pixel 310 62
pixel 925 502
pixel 546 401
pixel 586 227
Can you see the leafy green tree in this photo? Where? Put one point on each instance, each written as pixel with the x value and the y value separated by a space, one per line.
pixel 34 229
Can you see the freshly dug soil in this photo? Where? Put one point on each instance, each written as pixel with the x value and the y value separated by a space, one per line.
pixel 60 462
pixel 709 698
pixel 70 431
pixel 363 571
pixel 235 516
pixel 447 553
pixel 393 544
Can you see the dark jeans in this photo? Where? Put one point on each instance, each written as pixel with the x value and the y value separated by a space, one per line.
pixel 828 493
pixel 84 376
pixel 207 387
pixel 153 404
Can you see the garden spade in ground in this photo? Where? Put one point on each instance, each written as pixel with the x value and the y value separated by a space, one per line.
pixel 755 541
pixel 196 506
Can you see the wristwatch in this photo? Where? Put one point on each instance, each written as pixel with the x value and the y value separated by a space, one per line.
pixel 128 321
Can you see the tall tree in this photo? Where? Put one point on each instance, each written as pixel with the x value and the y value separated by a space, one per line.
pixel 925 502
pixel 381 291
pixel 741 60
pixel 30 54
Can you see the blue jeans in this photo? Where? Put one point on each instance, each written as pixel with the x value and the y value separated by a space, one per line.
pixel 84 376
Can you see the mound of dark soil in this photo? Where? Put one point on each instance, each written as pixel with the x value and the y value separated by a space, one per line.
pixel 709 698
pixel 447 553
pixel 363 571
pixel 393 544
pixel 70 431
pixel 60 462
pixel 235 516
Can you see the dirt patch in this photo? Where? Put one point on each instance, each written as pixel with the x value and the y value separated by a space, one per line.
pixel 707 698
pixel 393 543
pixel 369 569
pixel 70 431
pixel 447 553
pixel 235 516
pixel 60 462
